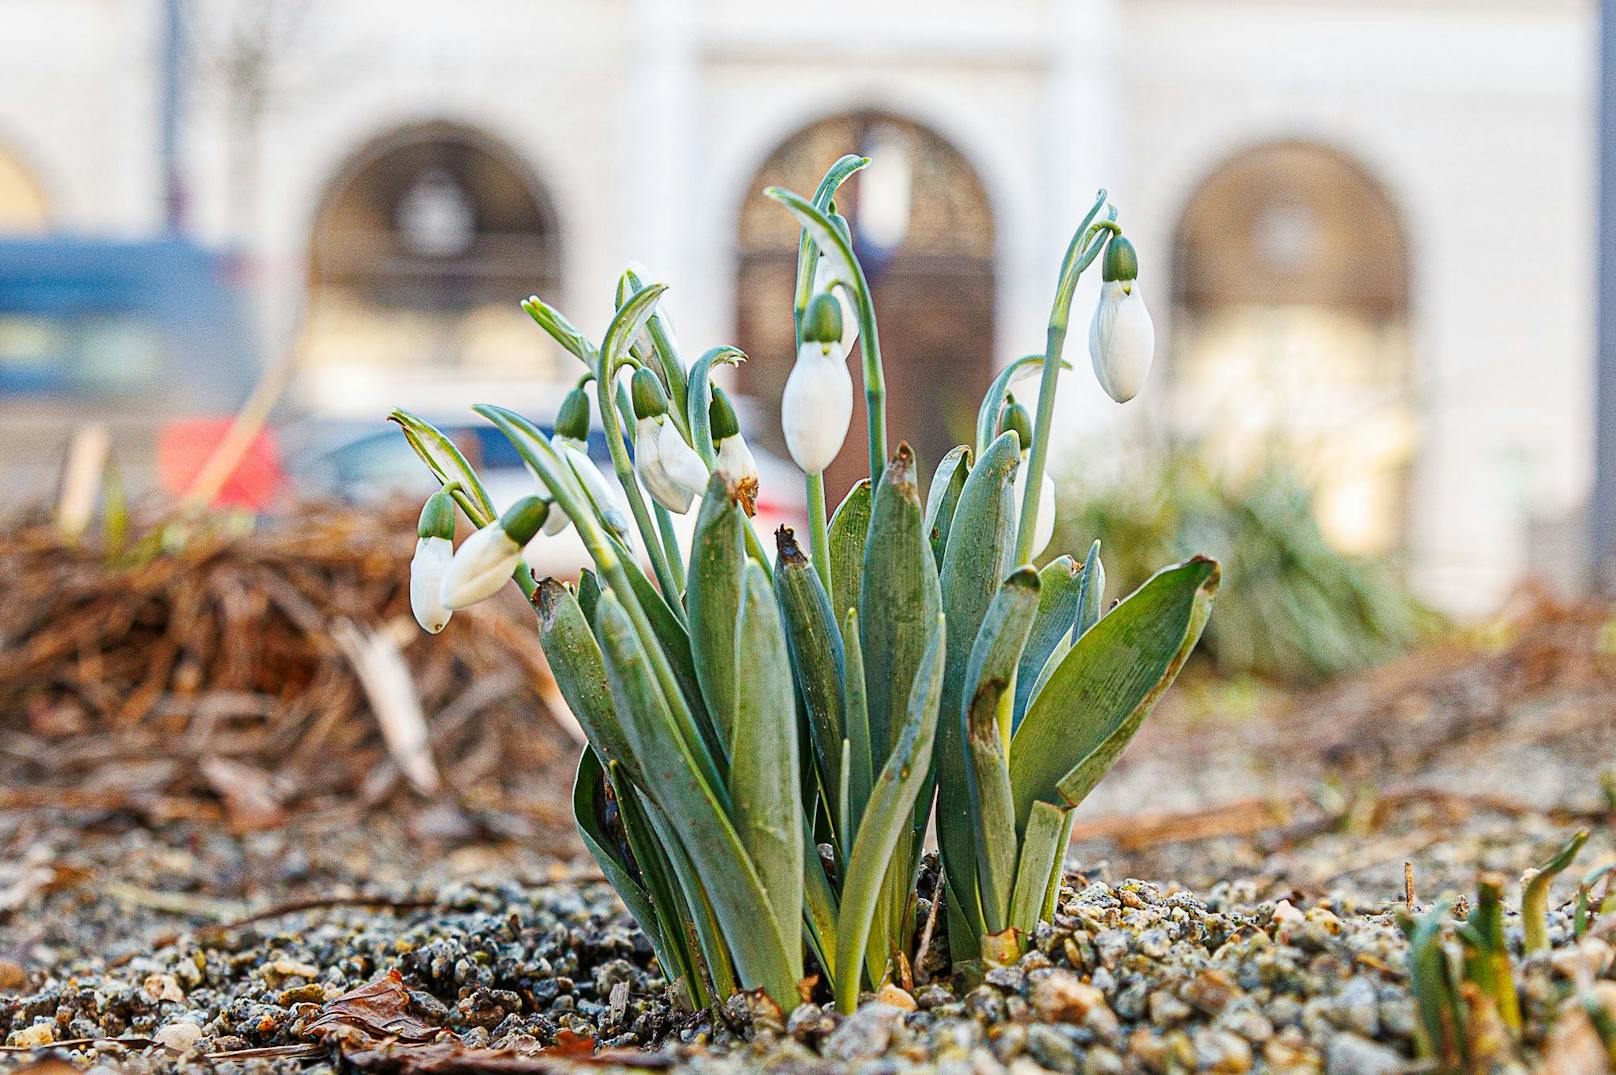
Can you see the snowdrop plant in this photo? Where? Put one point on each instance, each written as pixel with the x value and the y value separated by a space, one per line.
pixel 770 736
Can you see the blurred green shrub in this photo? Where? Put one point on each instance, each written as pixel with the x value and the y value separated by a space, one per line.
pixel 1295 609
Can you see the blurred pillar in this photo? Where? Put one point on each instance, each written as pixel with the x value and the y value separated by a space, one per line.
pixel 1602 511
pixel 173 60
pixel 657 134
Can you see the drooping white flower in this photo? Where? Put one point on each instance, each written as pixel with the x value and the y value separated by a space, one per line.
pixel 824 277
pixel 606 499
pixel 817 405
pixel 485 560
pixel 1122 338
pixel 669 468
pixel 433 551
pixel 732 458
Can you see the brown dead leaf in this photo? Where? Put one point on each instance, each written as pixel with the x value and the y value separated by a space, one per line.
pixel 452 1058
pixel 378 1010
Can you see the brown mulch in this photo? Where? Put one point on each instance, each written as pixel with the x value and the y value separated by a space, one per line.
pixel 207 670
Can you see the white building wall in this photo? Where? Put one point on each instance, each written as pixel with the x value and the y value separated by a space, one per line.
pixel 646 120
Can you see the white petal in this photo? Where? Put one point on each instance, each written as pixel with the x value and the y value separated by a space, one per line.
pixel 817 407
pixel 734 460
pixel 1043 528
pixel 427 568
pixel 648 463
pixel 680 461
pixel 608 501
pixel 1122 340
pixel 481 565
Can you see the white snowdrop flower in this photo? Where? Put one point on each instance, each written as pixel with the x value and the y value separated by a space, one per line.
pixel 485 560
pixel 732 459
pixel 433 551
pixel 670 469
pixel 817 405
pixel 824 277
pixel 1122 338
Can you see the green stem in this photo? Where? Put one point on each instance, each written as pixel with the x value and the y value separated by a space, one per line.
pixel 818 537
pixel 1076 260
pixel 670 542
pixel 624 469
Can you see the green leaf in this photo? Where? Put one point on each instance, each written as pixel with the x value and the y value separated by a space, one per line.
pixel 763 777
pixel 818 658
pixel 1105 687
pixel 560 329
pixel 703 934
pixel 1060 590
pixel 1041 851
pixel 943 497
pixel 447 464
pixel 898 602
pixel 1091 600
pixel 588 593
pixel 594 810
pixel 849 529
pixel 855 710
pixel 629 319
pixel 975 562
pixel 986 718
pixel 713 599
pixel 580 672
pixel 675 783
pixel 891 805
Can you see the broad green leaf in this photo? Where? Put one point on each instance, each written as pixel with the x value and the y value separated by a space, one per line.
pixel 986 719
pixel 447 464
pixel 675 784
pixel 594 810
pixel 943 497
pixel 580 672
pixel 763 777
pixel 898 602
pixel 1041 851
pixel 817 657
pixel 976 561
pixel 588 593
pixel 887 819
pixel 1110 681
pixel 1060 590
pixel 703 934
pixel 713 599
pixel 849 529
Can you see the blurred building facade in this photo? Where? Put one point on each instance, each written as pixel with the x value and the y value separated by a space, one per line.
pixel 1367 225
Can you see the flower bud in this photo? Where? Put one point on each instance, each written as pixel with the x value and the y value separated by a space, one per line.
pixel 572 420
pixel 722 420
pixel 433 551
pixel 670 469
pixel 1014 415
pixel 485 560
pixel 1122 338
pixel 822 321
pixel 646 392
pixel 817 404
pixel 824 282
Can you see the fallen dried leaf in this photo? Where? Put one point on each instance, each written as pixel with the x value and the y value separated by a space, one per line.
pixel 378 1010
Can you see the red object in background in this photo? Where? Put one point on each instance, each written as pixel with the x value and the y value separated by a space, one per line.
pixel 185 445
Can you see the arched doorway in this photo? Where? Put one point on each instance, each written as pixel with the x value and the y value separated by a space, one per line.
pixel 424 245
pixel 923 229
pixel 1290 334
pixel 23 210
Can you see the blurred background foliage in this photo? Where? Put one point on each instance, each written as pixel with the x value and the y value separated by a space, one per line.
pixel 1295 609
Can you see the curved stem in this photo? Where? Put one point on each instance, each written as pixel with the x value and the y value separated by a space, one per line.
pixel 1078 257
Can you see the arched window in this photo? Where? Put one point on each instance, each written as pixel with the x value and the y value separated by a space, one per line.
pixel 423 248
pixel 1290 333
pixel 923 229
pixel 22 203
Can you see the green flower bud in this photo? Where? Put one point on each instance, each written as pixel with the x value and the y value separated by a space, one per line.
pixel 822 321
pixel 1121 261
pixel 572 421
pixel 649 399
pixel 1015 416
pixel 523 519
pixel 437 517
pixel 721 417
